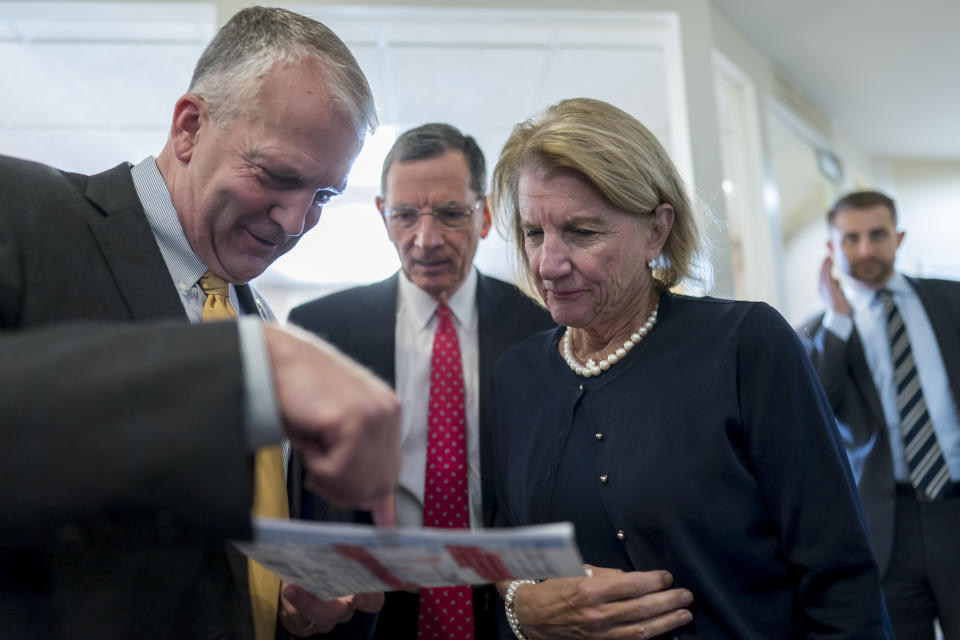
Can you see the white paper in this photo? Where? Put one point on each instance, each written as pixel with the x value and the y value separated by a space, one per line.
pixel 332 559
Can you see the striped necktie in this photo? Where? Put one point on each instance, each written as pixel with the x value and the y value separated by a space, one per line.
pixel 925 462
pixel 270 489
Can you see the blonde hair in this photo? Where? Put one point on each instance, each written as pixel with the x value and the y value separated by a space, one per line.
pixel 620 157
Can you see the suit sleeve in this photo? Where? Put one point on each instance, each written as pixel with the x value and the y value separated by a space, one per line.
pixel 10 273
pixel 829 354
pixel 294 317
pixel 793 447
pixel 305 317
pixel 499 518
pixel 136 428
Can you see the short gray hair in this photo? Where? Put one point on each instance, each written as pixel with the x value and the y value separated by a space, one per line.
pixel 232 67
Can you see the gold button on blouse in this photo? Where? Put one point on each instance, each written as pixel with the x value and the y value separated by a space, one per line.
pixel 598 436
pixel 603 479
pixel 621 535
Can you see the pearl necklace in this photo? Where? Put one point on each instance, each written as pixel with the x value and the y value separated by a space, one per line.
pixel 592 368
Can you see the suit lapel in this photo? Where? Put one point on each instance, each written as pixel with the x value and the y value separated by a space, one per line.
pixel 251 302
pixel 127 243
pixel 860 371
pixel 374 330
pixel 945 321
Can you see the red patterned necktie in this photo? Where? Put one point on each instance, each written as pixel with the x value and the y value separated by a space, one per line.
pixel 446 612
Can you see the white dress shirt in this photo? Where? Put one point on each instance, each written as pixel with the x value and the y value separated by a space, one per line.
pixel 415 328
pixel 871 325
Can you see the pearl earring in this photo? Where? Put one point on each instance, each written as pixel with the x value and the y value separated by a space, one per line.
pixel 652 263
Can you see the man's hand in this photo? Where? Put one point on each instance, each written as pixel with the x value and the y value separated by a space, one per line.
pixel 830 291
pixel 304 614
pixel 384 511
pixel 607 604
pixel 343 419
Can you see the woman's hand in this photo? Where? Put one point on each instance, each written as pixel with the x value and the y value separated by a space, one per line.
pixel 608 604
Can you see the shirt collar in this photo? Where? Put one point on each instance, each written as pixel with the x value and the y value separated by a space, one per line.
pixel 182 262
pixel 422 306
pixel 862 299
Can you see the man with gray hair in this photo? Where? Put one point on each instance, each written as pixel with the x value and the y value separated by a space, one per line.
pixel 133 466
pixel 446 321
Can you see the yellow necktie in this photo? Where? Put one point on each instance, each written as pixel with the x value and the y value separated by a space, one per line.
pixel 270 488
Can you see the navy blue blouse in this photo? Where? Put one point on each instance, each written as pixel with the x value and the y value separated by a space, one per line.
pixel 717 459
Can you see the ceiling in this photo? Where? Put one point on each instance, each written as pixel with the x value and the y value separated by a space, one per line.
pixel 886 72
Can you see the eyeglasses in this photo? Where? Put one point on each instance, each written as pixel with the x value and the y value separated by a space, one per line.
pixel 452 215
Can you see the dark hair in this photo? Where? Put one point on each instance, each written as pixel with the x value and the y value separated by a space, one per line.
pixel 431 141
pixel 862 200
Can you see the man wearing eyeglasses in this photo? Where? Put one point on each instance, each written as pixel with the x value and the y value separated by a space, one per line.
pixel 434 207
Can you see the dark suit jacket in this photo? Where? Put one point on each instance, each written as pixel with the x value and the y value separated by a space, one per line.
pixel 360 322
pixel 138 549
pixel 843 370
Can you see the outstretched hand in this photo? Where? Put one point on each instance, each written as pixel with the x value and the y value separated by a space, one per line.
pixel 343 419
pixel 304 614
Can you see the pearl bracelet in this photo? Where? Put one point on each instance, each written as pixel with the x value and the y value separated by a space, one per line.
pixel 511 611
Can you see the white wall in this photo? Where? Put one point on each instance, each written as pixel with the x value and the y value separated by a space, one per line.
pixel 860 170
pixel 790 185
pixel 928 201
